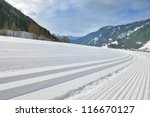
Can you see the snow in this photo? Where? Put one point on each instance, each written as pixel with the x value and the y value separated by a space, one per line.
pixel 137 28
pixel 147 23
pixel 115 43
pixel 118 28
pixel 100 35
pixel 90 41
pixel 110 39
pixel 104 46
pixel 96 39
pixel 146 47
pixel 139 42
pixel 128 33
pixel 93 40
pixel 132 31
pixel 33 69
pixel 122 35
pixel 126 84
pixel 112 42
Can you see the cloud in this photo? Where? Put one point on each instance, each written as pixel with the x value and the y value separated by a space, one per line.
pixel 29 7
pixel 139 4
pixel 78 17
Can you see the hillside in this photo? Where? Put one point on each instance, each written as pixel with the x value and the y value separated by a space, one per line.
pixel 13 19
pixel 129 36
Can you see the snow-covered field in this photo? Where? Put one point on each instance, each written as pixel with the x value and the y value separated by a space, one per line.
pixel 31 69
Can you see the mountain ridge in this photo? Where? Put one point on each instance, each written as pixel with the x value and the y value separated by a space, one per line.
pixel 129 36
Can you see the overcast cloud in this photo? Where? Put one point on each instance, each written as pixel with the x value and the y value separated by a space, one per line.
pixel 79 17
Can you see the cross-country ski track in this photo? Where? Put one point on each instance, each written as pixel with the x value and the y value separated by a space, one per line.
pixel 31 69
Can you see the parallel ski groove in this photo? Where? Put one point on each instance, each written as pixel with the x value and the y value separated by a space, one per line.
pixel 122 86
pixel 132 87
pixel 116 84
pixel 6 94
pixel 37 74
pixel 106 87
pixel 134 84
pixel 103 88
pixel 47 70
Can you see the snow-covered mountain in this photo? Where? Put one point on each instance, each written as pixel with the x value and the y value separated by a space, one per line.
pixel 133 35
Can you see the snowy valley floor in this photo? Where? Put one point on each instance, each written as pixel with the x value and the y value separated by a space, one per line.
pixel 31 69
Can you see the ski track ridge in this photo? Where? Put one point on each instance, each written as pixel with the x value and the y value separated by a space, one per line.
pixel 128 76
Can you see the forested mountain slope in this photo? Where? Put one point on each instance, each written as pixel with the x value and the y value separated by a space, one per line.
pixel 13 19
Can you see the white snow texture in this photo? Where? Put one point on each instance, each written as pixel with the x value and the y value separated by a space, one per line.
pixel 32 69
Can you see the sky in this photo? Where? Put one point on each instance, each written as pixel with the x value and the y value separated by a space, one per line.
pixel 79 17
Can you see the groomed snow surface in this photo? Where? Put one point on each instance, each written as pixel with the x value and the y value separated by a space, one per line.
pixel 31 69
